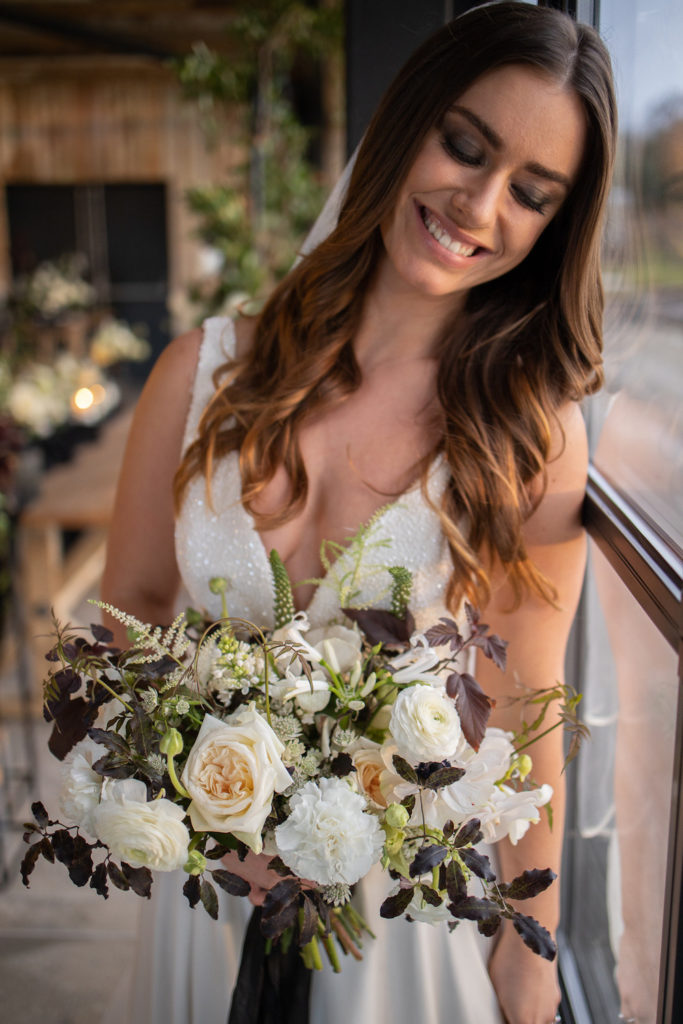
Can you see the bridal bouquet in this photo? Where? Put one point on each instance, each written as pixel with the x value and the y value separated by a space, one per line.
pixel 331 750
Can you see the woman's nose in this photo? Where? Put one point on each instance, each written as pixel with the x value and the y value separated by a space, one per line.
pixel 479 200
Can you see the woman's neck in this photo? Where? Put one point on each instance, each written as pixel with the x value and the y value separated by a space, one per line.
pixel 399 323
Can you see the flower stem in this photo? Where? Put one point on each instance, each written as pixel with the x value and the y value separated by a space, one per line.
pixel 177 785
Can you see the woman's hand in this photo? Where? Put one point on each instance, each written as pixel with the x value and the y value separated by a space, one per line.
pixel 526 985
pixel 253 869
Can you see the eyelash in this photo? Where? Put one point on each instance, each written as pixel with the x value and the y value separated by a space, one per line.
pixel 476 160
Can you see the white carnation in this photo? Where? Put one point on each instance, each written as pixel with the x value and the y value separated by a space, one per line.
pixel 425 725
pixel 144 833
pixel 81 786
pixel 329 837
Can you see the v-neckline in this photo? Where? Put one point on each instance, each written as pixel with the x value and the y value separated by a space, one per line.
pixel 378 516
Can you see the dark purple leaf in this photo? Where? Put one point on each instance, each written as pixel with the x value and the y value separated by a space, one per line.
pixel 231 883
pixel 426 858
pixel 448 829
pixel 111 740
pixel 473 908
pixel 455 883
pixel 139 879
pixel 29 861
pixel 101 633
pixel 443 633
pixel 474 706
pixel 444 777
pixel 80 868
pixel 535 936
pixel 98 882
pixel 528 884
pixel 192 890
pixel 396 905
pixel 71 726
pixel 490 925
pixel 46 850
pixel 309 926
pixel 40 814
pixel 431 896
pixel 116 876
pixel 278 865
pixel 409 803
pixel 63 845
pixel 405 770
pixel 381 626
pixel 469 834
pixel 478 863
pixel 494 648
pixel 209 898
pixel 342 765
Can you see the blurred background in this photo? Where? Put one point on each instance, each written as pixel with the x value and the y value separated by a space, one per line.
pixel 163 160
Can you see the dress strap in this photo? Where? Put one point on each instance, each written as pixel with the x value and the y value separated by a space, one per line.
pixel 218 345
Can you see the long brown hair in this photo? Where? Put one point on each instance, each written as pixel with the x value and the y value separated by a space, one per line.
pixel 529 341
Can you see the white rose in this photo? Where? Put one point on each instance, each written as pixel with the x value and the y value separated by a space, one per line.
pixel 231 773
pixel 425 725
pixel 328 836
pixel 511 813
pixel 144 833
pixel 81 786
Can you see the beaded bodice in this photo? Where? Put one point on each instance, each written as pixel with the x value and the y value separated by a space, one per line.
pixel 219 538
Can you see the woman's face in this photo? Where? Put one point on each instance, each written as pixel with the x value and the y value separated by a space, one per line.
pixel 486 182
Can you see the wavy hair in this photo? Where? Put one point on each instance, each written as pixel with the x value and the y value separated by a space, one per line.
pixel 528 341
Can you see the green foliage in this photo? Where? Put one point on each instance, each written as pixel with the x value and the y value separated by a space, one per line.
pixel 284 601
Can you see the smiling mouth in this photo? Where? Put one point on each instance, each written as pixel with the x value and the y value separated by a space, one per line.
pixel 439 234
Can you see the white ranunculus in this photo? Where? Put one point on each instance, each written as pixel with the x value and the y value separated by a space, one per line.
pixel 511 813
pixel 231 774
pixel 425 725
pixel 329 836
pixel 142 832
pixel 81 786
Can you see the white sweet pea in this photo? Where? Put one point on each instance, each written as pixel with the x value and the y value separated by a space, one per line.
pixel 511 813
pixel 483 768
pixel 420 910
pixel 231 774
pixel 329 837
pixel 425 725
pixel 81 786
pixel 416 664
pixel 142 832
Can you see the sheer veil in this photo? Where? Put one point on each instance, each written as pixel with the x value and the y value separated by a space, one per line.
pixel 327 218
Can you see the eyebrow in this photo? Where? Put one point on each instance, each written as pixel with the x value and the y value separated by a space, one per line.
pixel 494 139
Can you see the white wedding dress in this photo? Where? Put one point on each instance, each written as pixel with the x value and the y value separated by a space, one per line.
pixel 186 964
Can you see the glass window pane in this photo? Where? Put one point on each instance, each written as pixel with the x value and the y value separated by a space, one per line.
pixel 640 446
pixel 617 847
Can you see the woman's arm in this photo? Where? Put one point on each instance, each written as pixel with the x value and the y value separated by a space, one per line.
pixel 537 635
pixel 141 575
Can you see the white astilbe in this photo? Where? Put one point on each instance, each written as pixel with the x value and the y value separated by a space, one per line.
pixel 158 642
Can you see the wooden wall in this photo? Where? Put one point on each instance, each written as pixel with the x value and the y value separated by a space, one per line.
pixel 110 120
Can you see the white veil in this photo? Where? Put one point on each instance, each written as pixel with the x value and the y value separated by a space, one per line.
pixel 328 216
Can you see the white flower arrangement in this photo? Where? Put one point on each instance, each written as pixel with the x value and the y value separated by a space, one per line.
pixel 115 342
pixel 332 749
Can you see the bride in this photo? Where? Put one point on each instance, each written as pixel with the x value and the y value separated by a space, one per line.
pixel 427 359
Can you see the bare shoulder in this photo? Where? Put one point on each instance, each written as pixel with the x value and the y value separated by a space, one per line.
pixel 557 516
pixel 245 332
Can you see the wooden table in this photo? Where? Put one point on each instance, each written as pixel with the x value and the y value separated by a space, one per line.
pixel 77 496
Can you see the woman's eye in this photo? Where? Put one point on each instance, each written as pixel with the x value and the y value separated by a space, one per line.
pixel 529 199
pixel 463 150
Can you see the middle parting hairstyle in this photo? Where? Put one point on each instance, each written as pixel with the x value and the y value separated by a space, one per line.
pixel 529 340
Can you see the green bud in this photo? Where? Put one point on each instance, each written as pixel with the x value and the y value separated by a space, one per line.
pixel 524 766
pixel 196 863
pixel 218 584
pixel 393 842
pixel 396 816
pixel 171 743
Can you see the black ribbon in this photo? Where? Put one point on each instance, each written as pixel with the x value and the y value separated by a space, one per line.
pixel 271 988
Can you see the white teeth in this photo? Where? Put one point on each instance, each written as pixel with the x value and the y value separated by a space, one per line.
pixel 443 238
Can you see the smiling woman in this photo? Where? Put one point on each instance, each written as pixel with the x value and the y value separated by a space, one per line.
pixel 419 369
pixel 487 181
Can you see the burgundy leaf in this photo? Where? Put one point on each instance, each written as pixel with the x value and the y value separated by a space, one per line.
pixel 490 925
pixel 40 814
pixel 101 633
pixel 98 882
pixel 426 858
pixel 445 632
pixel 139 879
pixel 209 898
pixel 232 884
pixel 381 626
pixel 473 908
pixel 478 863
pixel 192 890
pixel 29 862
pixel 71 725
pixel 117 877
pixel 474 706
pixel 528 884
pixel 469 834
pixel 309 926
pixel 494 648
